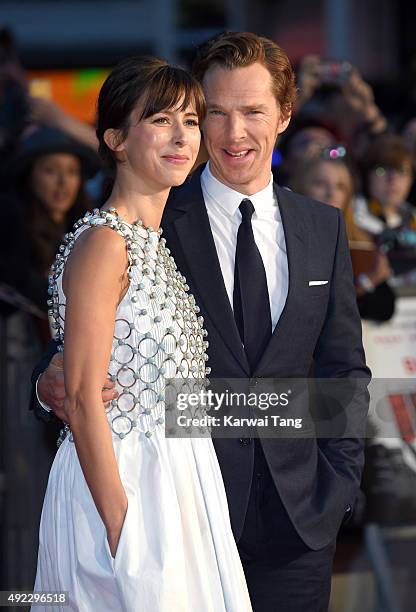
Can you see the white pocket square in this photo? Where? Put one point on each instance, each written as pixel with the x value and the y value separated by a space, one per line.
pixel 312 283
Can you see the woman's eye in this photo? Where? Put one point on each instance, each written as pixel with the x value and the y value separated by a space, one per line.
pixel 192 122
pixel 161 120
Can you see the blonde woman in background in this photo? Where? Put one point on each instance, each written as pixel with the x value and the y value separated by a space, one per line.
pixel 331 181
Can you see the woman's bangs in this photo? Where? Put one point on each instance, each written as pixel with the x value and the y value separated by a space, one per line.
pixel 176 90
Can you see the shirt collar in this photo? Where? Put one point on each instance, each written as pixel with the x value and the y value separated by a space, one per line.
pixel 229 199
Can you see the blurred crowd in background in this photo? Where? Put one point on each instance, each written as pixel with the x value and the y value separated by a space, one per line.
pixel 340 148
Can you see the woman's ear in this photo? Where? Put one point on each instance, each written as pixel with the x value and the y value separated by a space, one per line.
pixel 113 139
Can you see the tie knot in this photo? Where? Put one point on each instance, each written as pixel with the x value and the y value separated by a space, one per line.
pixel 247 209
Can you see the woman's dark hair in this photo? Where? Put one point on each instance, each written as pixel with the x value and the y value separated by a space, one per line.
pixel 158 86
pixel 45 234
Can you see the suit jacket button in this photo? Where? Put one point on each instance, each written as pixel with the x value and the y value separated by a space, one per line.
pixel 245 441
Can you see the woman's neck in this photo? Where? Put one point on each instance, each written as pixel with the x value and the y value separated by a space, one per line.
pixel 133 203
pixel 57 217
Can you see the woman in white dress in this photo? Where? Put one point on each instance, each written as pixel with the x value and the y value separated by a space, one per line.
pixel 133 520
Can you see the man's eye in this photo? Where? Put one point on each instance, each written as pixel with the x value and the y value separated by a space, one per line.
pixel 216 112
pixel 254 112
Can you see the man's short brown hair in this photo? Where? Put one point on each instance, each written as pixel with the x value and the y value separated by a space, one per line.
pixel 239 49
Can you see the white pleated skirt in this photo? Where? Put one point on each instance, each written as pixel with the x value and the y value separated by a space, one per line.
pixel 176 551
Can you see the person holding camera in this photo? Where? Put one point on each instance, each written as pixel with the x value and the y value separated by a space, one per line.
pixel 346 99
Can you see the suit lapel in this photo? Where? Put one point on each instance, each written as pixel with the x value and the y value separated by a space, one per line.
pixel 296 238
pixel 187 228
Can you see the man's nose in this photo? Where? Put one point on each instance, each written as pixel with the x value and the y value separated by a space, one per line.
pixel 235 128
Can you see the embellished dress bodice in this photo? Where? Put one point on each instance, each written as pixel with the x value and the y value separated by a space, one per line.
pixel 158 334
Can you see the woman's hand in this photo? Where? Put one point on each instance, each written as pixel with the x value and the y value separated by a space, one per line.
pixel 114 528
pixel 379 273
pixel 381 270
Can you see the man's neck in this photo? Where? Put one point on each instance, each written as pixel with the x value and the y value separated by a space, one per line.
pixel 248 190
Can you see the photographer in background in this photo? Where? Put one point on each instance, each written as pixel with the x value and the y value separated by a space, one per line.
pixel 335 108
pixel 336 92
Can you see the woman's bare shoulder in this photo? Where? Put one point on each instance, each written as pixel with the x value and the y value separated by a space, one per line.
pixel 103 239
pixel 99 254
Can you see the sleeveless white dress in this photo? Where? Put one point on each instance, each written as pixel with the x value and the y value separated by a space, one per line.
pixel 176 551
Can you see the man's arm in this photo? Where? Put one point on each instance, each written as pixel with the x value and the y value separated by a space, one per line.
pixel 51 349
pixel 48 113
pixel 48 387
pixel 339 354
pixel 38 409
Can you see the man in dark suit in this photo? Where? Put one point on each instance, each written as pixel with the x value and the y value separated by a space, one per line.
pixel 271 273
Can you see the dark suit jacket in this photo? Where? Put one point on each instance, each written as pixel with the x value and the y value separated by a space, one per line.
pixel 317 479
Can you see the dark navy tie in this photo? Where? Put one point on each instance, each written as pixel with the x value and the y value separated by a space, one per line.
pixel 251 296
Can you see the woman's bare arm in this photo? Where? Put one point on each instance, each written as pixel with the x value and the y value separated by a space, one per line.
pixel 94 281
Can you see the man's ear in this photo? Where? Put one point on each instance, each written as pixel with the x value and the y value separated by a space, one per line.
pixel 284 122
pixel 114 139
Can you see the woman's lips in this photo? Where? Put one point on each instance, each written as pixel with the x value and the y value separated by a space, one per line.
pixel 62 197
pixel 176 159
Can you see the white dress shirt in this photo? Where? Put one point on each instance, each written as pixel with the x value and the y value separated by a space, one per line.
pixel 222 204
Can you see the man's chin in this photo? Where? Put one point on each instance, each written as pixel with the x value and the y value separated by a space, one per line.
pixel 237 179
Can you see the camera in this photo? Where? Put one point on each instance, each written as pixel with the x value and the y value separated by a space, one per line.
pixel 335 72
